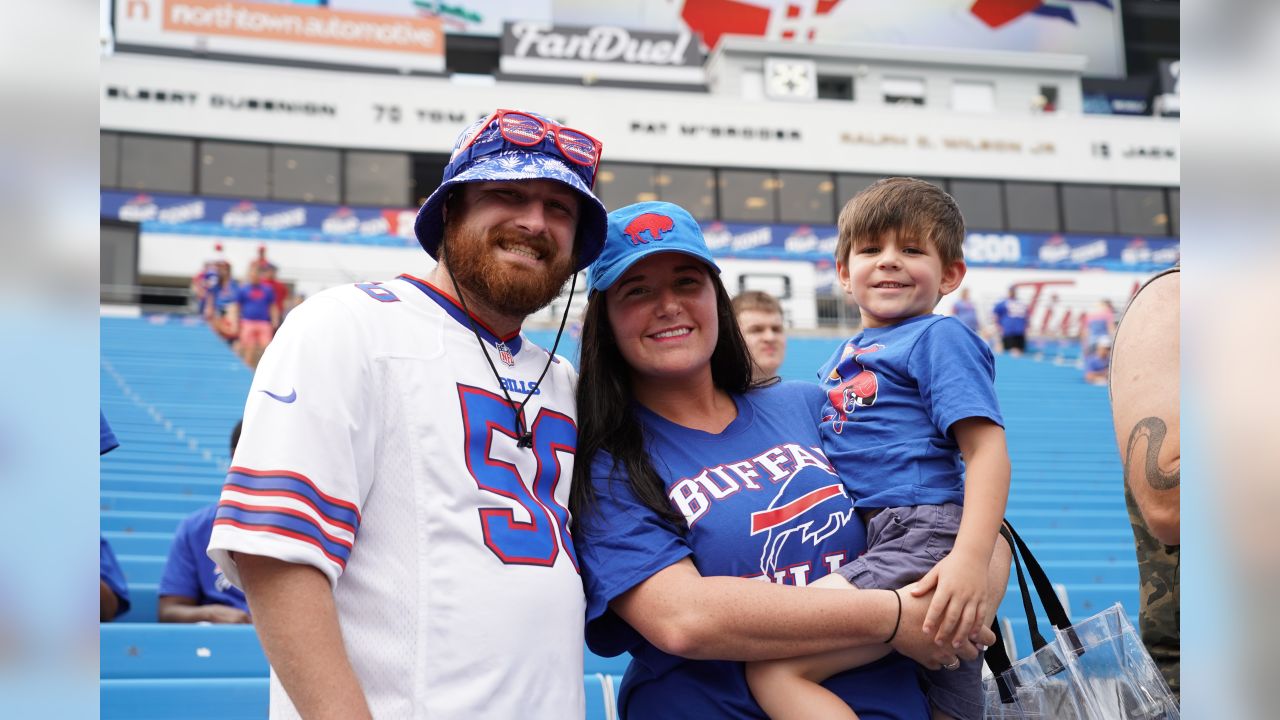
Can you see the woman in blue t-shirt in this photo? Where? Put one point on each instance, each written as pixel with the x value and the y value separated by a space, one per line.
pixel 698 497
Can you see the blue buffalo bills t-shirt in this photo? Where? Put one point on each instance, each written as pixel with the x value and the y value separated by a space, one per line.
pixel 760 501
pixel 190 573
pixel 892 395
pixel 255 301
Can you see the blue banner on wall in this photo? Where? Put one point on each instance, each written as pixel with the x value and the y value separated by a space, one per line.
pixel 393 227
pixel 193 215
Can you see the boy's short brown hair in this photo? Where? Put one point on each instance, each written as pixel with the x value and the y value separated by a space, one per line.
pixel 911 207
pixel 756 300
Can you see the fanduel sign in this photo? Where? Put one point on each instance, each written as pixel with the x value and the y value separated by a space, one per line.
pixel 597 44
pixel 601 52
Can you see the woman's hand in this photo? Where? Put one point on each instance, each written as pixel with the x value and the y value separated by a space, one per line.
pixel 912 641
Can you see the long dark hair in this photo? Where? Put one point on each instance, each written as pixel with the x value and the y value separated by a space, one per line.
pixel 606 406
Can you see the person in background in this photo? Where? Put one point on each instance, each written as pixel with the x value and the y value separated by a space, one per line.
pixel 1145 405
pixel 759 316
pixel 1099 322
pixel 205 282
pixel 113 591
pixel 218 311
pixel 966 312
pixel 1011 316
pixel 268 274
pixel 1097 363
pixel 257 316
pixel 193 588
pixel 203 285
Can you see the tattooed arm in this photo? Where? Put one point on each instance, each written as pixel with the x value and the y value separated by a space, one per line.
pixel 1145 404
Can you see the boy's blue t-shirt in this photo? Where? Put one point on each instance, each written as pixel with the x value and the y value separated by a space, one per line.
pixel 188 572
pixel 892 395
pixel 761 501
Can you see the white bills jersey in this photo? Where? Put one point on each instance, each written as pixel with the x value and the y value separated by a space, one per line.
pixel 379 448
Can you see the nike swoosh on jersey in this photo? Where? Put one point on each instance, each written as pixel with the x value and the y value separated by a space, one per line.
pixel 293 395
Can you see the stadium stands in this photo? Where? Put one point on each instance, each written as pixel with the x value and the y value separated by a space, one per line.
pixel 173 391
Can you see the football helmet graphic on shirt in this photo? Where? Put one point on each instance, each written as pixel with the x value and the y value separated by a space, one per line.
pixel 857 391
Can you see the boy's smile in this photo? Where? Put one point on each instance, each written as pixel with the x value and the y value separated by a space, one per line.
pixel 894 278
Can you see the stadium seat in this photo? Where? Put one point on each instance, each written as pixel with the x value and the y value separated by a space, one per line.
pixel 599 701
pixel 185 699
pixel 157 501
pixel 140 521
pixel 139 543
pixel 142 604
pixel 135 651
pixel 593 663
pixel 141 568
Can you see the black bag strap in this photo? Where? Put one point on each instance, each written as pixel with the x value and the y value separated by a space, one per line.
pixel 1049 599
pixel 997 656
pixel 1033 625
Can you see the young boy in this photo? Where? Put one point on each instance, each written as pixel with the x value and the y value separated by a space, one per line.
pixel 913 427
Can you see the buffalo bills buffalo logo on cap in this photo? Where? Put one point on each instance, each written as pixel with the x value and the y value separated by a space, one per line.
pixel 652 223
pixel 643 229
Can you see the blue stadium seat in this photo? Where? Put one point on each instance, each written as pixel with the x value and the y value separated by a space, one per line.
pixel 172 651
pixel 157 501
pixel 139 543
pixel 142 604
pixel 185 699
pixel 599 701
pixel 593 663
pixel 141 568
pixel 140 521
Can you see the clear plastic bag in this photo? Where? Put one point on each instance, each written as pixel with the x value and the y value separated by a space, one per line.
pixel 1096 669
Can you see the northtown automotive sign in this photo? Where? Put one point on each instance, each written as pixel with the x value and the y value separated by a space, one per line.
pixel 601 53
pixel 291 32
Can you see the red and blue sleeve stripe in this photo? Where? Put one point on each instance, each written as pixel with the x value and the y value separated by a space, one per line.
pixel 259 507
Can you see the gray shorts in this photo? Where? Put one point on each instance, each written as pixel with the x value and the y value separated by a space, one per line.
pixel 904 543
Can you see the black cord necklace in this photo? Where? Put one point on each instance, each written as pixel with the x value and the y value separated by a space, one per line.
pixel 524 436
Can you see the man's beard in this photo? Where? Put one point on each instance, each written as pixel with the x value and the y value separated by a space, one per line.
pixel 471 254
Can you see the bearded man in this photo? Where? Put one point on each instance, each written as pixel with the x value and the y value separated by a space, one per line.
pixel 395 511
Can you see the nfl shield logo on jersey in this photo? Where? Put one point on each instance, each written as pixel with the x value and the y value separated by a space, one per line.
pixel 504 354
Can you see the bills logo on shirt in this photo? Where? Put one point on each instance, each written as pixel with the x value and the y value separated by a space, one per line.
pixel 808 505
pixel 795 518
pixel 860 390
